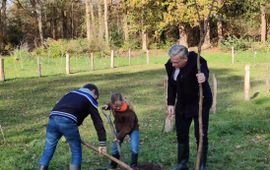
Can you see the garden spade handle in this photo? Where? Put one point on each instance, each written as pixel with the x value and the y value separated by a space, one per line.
pixel 113 131
pixel 122 164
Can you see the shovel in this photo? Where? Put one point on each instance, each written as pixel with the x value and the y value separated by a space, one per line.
pixel 120 163
pixel 108 116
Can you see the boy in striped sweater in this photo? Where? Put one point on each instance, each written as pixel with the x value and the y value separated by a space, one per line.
pixel 65 117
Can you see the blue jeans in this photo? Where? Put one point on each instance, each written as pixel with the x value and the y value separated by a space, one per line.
pixel 134 143
pixel 59 126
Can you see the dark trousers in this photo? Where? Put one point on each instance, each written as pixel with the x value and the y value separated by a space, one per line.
pixel 183 122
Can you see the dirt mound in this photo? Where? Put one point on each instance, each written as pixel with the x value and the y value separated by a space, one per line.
pixel 149 166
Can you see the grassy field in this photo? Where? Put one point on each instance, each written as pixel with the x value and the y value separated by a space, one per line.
pixel 239 132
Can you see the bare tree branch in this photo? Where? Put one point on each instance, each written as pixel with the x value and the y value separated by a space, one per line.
pixel 28 12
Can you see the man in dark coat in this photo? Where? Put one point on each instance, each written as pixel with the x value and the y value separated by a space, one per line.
pixel 183 99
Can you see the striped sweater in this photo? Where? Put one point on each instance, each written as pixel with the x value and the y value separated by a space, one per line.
pixel 77 105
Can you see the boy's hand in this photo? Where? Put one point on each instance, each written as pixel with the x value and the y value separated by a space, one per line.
pixel 102 150
pixel 116 140
pixel 105 107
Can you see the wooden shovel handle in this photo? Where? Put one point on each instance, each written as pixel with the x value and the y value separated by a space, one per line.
pixel 122 164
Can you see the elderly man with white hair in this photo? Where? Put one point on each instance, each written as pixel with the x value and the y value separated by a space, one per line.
pixel 183 99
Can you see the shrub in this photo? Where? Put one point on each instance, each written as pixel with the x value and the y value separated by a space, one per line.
pixel 22 53
pixel 237 43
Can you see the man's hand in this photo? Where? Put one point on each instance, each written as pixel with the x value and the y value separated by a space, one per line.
pixel 170 110
pixel 102 149
pixel 200 77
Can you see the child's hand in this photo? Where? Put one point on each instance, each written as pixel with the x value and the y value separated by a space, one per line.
pixel 116 140
pixel 105 107
pixel 102 150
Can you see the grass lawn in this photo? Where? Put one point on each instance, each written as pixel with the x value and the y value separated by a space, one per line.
pixel 239 133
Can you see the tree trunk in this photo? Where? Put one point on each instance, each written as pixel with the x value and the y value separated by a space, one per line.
pixel 207 42
pixel 3 24
pixel 144 40
pixel 4 18
pixel 93 20
pixel 39 19
pixel 125 27
pixel 72 19
pixel 106 21
pixel 263 24
pixel 100 21
pixel 54 24
pixel 1 33
pixel 219 29
pixel 64 23
pixel 88 17
pixel 182 36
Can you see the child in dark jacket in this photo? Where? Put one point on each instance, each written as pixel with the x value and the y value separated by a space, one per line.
pixel 64 120
pixel 126 123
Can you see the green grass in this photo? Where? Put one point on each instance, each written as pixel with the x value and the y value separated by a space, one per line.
pixel 239 133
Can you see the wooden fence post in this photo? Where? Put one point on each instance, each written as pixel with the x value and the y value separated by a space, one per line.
pixel 166 89
pixel 254 57
pixel 67 63
pixel 39 66
pixel 112 59
pixel 214 105
pixel 2 69
pixel 233 55
pixel 147 57
pixel 2 133
pixel 129 56
pixel 267 78
pixel 247 82
pixel 92 62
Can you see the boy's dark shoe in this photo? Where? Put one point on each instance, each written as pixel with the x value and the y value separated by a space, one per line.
pixel 42 167
pixel 74 167
pixel 134 160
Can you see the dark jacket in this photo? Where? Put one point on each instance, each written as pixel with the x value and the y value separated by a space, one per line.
pixel 186 87
pixel 77 105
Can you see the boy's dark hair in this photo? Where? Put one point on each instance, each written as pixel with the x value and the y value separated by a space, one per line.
pixel 92 87
pixel 116 97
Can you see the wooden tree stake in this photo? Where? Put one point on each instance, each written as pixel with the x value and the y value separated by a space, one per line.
pixel 233 55
pixel 2 69
pixel 39 66
pixel 67 63
pixel 92 62
pixel 112 59
pixel 214 105
pixel 203 31
pixel 247 82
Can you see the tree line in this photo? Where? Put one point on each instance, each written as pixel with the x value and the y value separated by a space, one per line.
pixel 129 23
